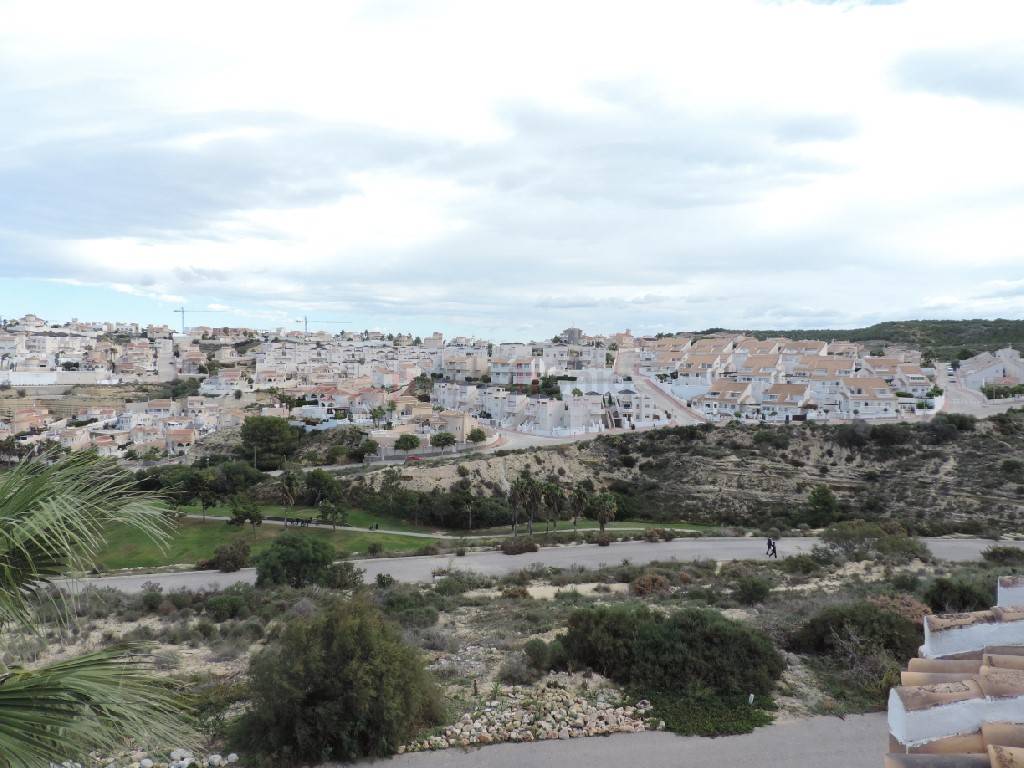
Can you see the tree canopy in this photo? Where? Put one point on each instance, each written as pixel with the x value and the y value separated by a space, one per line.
pixel 270 439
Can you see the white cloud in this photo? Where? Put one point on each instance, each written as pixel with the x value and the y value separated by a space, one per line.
pixel 485 167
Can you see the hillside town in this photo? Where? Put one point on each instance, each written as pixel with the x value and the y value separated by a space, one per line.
pixel 146 392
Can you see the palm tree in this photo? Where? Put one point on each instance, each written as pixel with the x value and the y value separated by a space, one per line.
pixel 376 413
pixel 579 501
pixel 554 499
pixel 604 507
pixel 518 498
pixel 53 518
pixel 526 494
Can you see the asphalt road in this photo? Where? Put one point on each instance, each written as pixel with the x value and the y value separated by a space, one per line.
pixel 626 364
pixel 962 399
pixel 858 741
pixel 494 563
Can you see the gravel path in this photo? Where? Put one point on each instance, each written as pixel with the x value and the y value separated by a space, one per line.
pixel 858 741
pixel 493 563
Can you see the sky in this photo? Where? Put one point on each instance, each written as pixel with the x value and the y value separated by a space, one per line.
pixel 510 169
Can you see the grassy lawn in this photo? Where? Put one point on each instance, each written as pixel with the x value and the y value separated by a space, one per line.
pixel 224 510
pixel 195 540
pixel 357 518
pixel 360 519
pixel 591 525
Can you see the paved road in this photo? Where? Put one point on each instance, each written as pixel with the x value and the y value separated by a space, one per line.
pixel 963 399
pixel 493 563
pixel 627 364
pixel 681 413
pixel 858 741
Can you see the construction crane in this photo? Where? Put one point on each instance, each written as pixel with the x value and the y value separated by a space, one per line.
pixel 181 311
pixel 306 321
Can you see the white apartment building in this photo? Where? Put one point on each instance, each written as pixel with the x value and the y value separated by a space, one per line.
pixel 725 399
pixel 501 407
pixel 521 371
pixel 1003 366
pixel 785 402
pixel 866 398
pixel 636 409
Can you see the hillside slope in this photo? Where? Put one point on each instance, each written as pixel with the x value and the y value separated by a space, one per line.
pixel 939 339
pixel 928 475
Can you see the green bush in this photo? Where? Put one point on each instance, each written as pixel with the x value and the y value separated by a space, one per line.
pixel 410 606
pixel 458 582
pixel 957 596
pixel 775 438
pixel 295 560
pixel 232 556
pixel 862 540
pixel 227 605
pixel 152 596
pixel 751 590
pixel 964 422
pixel 693 650
pixel 801 564
pixel 339 685
pixel 870 623
pixel 557 656
pixel 342 576
pixel 517 670
pixel 1003 555
pixel 858 651
pixel 537 654
pixel 905 582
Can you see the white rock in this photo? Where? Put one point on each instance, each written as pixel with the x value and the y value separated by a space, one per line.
pixel 232 758
pixel 146 763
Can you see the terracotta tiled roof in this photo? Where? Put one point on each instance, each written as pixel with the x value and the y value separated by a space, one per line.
pixel 954 713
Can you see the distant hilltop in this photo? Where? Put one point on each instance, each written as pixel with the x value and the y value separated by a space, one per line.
pixel 939 339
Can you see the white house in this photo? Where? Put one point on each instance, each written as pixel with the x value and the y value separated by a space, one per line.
pixel 986 368
pixel 784 402
pixel 866 397
pixel 724 399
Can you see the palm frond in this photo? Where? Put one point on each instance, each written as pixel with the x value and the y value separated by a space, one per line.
pixel 52 520
pixel 96 702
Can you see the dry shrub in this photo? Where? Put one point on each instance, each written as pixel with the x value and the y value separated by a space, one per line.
pixel 650 583
pixel 902 605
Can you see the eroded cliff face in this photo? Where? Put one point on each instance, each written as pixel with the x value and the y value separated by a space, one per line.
pixel 738 475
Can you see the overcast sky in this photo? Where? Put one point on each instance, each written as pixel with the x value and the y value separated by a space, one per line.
pixel 508 169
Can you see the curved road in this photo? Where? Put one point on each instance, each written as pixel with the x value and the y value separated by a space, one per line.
pixel 858 741
pixel 494 563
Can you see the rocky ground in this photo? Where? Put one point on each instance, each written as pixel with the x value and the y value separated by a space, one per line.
pixel 562 707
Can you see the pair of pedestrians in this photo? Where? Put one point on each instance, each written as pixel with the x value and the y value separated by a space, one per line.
pixel 772 549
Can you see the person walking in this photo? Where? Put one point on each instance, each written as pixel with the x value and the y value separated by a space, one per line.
pixel 772 549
